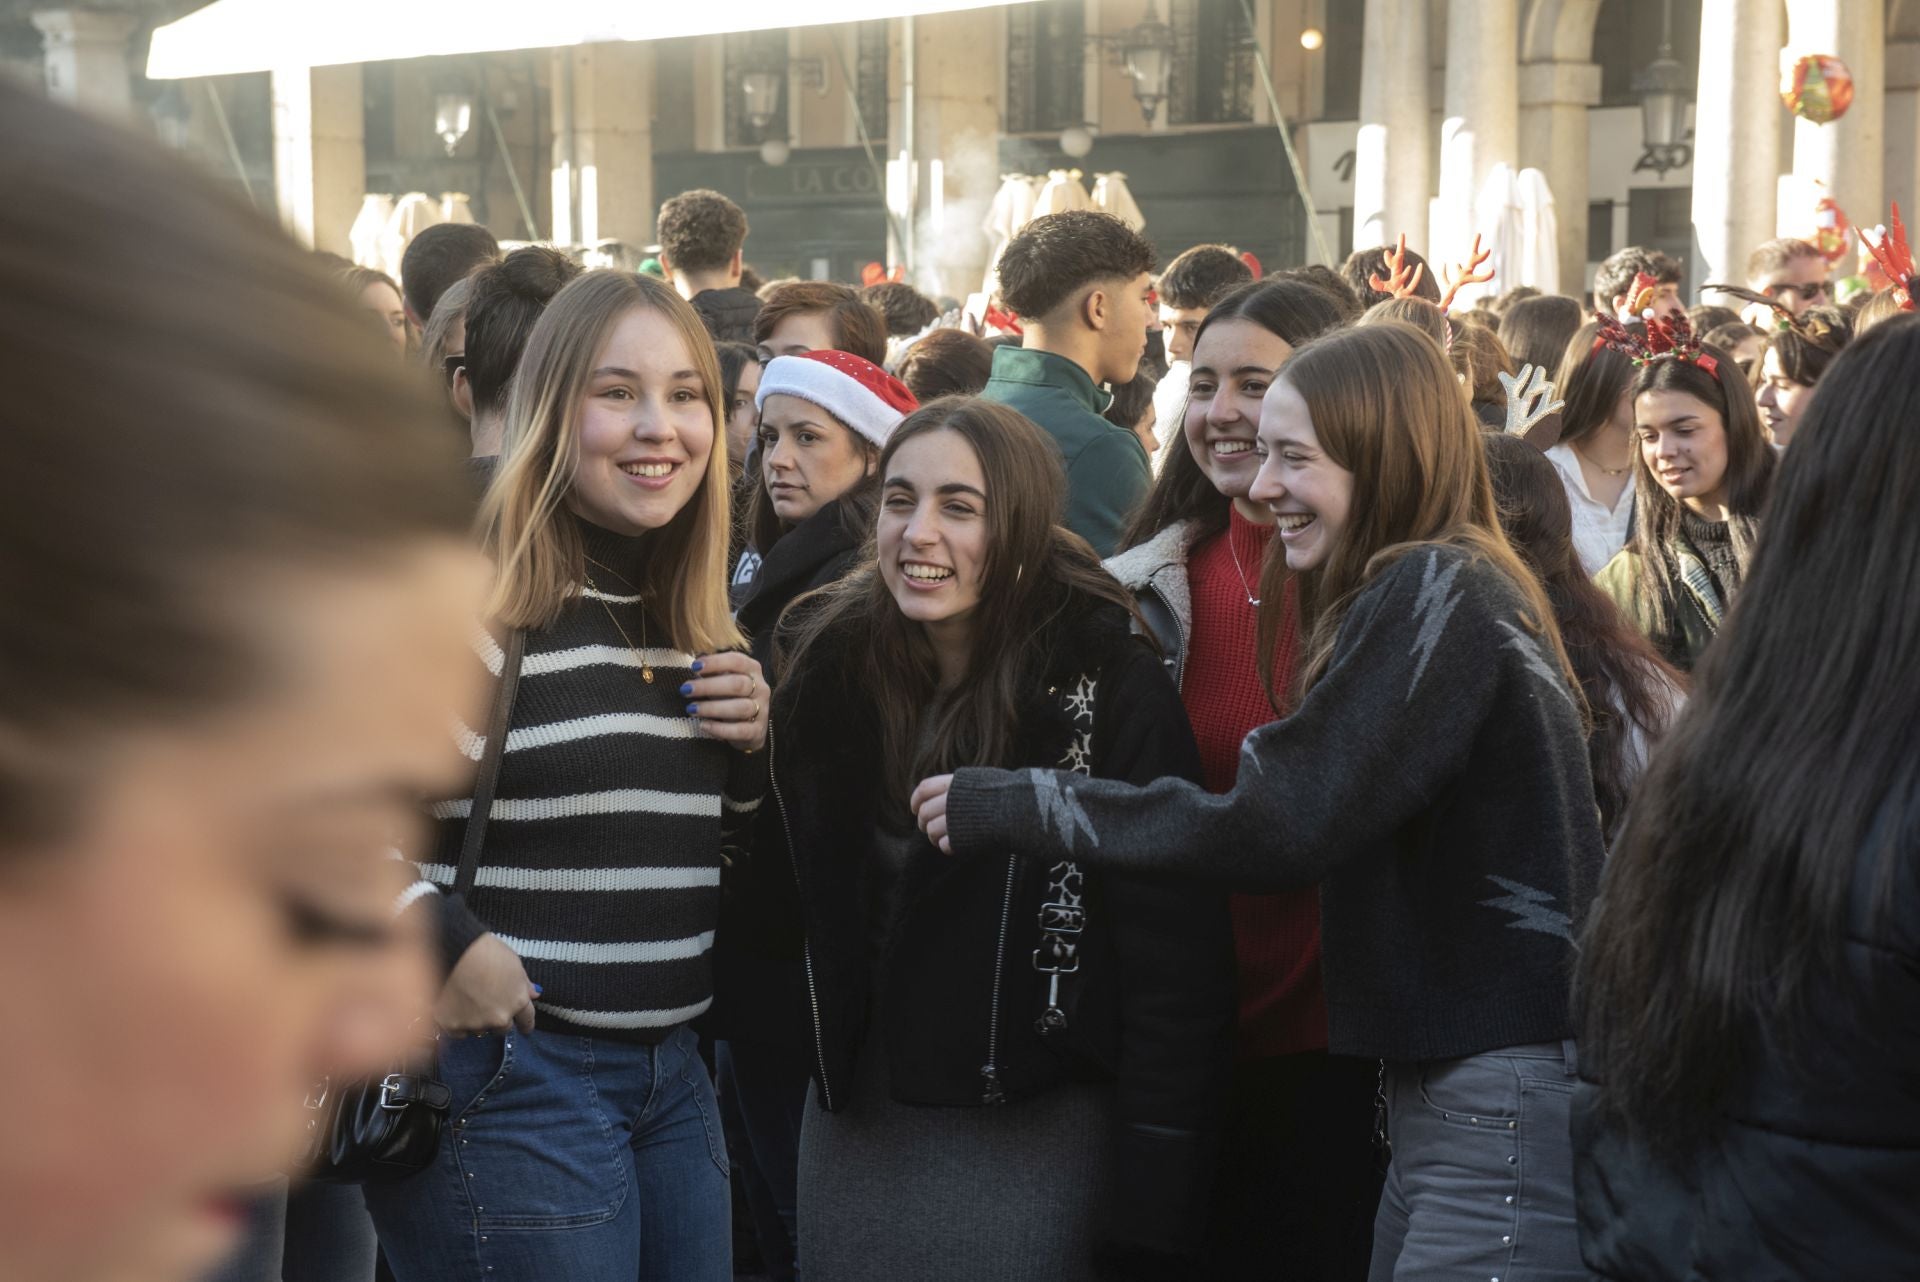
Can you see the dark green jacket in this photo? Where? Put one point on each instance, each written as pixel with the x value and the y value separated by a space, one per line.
pixel 1107 472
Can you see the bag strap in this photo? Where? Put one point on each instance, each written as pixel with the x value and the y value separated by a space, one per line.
pixel 489 776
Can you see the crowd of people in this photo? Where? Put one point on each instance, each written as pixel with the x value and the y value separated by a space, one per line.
pixel 1186 772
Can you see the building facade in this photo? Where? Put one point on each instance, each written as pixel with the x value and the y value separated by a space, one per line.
pixel 886 140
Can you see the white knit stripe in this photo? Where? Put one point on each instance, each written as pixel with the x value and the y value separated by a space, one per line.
pixel 472 744
pixel 585 879
pixel 419 888
pixel 488 649
pixel 586 656
pixel 595 594
pixel 625 1018
pixel 619 801
pixel 606 723
pixel 562 950
pixel 740 807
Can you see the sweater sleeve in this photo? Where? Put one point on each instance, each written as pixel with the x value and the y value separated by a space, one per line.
pixel 1106 482
pixel 1416 671
pixel 1174 944
pixel 746 787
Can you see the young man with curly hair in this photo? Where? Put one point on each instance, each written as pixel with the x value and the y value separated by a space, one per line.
pixel 1613 282
pixel 1080 283
pixel 702 235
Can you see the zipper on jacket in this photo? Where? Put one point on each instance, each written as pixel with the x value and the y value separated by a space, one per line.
pixel 806 943
pixel 991 1090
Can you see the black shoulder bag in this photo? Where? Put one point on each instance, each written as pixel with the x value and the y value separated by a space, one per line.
pixel 388 1128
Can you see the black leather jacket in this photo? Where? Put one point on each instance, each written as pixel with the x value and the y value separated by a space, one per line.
pixel 1152 1005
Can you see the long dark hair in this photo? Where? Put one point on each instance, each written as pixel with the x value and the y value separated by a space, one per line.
pixel 1805 348
pixel 1657 514
pixel 1591 379
pixel 1727 900
pixel 855 508
pixel 1290 309
pixel 1036 575
pixel 1618 668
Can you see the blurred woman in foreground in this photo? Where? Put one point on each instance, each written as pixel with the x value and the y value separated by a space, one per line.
pixel 231 547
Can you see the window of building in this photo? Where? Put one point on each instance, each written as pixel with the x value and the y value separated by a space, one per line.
pixel 870 75
pixel 1340 61
pixel 1213 64
pixel 1599 230
pixel 747 51
pixel 1046 69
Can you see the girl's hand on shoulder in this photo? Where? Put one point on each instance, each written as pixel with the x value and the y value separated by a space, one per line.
pixel 929 806
pixel 728 699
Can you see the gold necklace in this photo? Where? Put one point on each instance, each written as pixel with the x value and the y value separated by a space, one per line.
pixel 1251 598
pixel 639 651
pixel 1607 471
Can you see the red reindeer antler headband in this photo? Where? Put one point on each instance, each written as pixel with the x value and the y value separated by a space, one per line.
pixel 1895 259
pixel 1665 337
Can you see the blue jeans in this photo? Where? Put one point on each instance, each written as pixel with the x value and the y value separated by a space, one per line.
pixel 567 1157
pixel 1481 1184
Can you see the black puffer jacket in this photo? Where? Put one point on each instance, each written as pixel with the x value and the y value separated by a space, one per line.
pixel 729 313
pixel 1152 1007
pixel 1815 1173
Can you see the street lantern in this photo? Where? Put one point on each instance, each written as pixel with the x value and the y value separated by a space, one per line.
pixel 452 117
pixel 1146 51
pixel 1663 108
pixel 762 92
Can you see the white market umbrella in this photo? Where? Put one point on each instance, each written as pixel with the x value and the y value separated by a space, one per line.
pixel 1062 192
pixel 1111 195
pixel 369 226
pixel 412 214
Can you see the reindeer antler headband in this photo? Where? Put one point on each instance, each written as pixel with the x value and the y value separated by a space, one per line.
pixel 1401 280
pixel 1670 337
pixel 1895 259
pixel 1467 273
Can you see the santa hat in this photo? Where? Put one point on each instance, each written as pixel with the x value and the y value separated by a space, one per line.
pixel 851 388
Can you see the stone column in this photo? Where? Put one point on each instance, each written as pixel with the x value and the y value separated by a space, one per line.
pixel 956 124
pixel 319 152
pixel 1391 177
pixel 1736 160
pixel 1554 97
pixel 86 58
pixel 613 141
pixel 1481 125
pixel 1844 156
pixel 1901 179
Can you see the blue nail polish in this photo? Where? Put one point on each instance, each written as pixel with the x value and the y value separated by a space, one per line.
pixel 697 665
pixel 693 709
pixel 687 688
pixel 539 991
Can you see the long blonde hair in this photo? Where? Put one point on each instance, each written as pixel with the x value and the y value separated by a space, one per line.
pixel 1386 406
pixel 538 558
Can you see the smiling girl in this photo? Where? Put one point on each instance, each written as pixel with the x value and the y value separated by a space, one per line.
pixel 1703 473
pixel 1298 1183
pixel 1018 1065
pixel 591 1150
pixel 1432 780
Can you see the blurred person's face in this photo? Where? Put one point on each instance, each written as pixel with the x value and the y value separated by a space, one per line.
pixel 217 933
pixel 1801 284
pixel 1233 366
pixel 1666 302
pixel 808 458
pixel 742 418
pixel 1748 350
pixel 1144 432
pixel 1124 340
pixel 800 332
pixel 1181 324
pixel 1684 443
pixel 1782 401
pixel 383 300
pixel 646 432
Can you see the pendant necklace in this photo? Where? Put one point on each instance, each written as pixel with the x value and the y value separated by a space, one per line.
pixel 1608 471
pixel 1251 598
pixel 639 651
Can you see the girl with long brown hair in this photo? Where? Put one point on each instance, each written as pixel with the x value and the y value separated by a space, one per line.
pixel 1749 979
pixel 1298 1185
pixel 1018 1065
pixel 1595 453
pixel 591 1150
pixel 1702 470
pixel 1433 780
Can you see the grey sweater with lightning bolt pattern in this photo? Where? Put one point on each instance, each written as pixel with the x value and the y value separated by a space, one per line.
pixel 1433 782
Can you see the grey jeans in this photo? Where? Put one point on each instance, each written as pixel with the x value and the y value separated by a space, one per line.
pixel 1481 1184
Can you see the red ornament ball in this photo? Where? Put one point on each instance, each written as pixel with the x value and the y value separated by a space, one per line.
pixel 1818 87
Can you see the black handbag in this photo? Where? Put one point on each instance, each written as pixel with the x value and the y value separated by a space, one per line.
pixel 388 1128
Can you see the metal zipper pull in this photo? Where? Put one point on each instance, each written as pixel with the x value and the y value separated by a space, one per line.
pixel 991 1092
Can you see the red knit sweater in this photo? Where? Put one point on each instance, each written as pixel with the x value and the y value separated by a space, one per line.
pixel 1283 1008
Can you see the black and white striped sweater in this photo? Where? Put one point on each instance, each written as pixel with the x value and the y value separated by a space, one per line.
pixel 601 865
